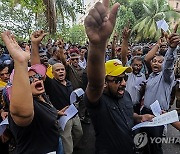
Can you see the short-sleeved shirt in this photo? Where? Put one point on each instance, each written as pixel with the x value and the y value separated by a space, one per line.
pixel 58 93
pixel 133 86
pixel 112 119
pixel 42 135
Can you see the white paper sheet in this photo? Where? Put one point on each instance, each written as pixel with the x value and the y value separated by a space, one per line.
pixel 70 112
pixel 54 152
pixel 78 92
pixel 162 24
pixel 3 126
pixel 156 109
pixel 160 120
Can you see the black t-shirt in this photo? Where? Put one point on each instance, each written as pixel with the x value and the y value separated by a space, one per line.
pixel 112 119
pixel 58 93
pixel 42 135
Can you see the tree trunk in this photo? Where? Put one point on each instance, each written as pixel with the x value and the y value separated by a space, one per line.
pixel 50 13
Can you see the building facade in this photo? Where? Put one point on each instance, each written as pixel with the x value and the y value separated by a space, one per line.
pixel 175 4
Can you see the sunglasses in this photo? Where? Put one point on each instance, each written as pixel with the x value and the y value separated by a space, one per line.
pixel 74 59
pixel 37 76
pixel 118 79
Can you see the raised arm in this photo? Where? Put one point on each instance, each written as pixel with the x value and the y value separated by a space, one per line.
pixel 113 54
pixel 21 101
pixel 124 49
pixel 149 56
pixel 171 55
pixel 99 25
pixel 61 55
pixel 36 38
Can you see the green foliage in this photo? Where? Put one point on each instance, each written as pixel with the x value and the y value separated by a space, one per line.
pixel 64 10
pixel 35 6
pixel 155 10
pixel 122 2
pixel 137 8
pixel 125 17
pixel 75 34
pixel 17 19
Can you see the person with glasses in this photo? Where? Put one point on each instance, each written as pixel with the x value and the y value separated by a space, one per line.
pixel 59 90
pixel 109 104
pixel 32 118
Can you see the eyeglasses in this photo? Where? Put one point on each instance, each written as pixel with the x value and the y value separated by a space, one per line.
pixel 37 76
pixel 118 79
pixel 74 59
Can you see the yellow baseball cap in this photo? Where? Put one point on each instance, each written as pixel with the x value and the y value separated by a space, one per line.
pixel 114 67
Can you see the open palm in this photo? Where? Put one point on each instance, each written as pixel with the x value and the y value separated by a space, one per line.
pixel 14 49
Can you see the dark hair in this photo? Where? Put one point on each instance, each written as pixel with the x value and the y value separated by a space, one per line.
pixel 136 48
pixel 157 55
pixel 54 49
pixel 146 49
pixel 83 47
pixel 3 66
pixel 138 58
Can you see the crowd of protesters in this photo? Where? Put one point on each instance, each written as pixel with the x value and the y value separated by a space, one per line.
pixel 120 80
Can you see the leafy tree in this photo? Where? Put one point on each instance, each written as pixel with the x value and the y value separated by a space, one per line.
pixel 17 19
pixel 52 9
pixel 125 17
pixel 137 8
pixel 77 34
pixel 155 10
pixel 122 2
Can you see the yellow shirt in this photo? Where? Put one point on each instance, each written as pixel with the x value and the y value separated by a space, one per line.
pixel 2 84
pixel 49 72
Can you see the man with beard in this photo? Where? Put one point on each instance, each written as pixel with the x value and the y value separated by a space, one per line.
pixel 111 110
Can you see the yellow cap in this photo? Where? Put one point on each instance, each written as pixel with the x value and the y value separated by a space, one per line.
pixel 114 68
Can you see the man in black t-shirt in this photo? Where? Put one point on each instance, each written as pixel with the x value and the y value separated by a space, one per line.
pixel 59 91
pixel 110 106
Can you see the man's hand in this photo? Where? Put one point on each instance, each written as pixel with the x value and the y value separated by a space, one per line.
pixel 60 43
pixel 14 49
pixel 146 117
pixel 100 23
pixel 126 33
pixel 4 115
pixel 61 112
pixel 37 36
pixel 174 40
